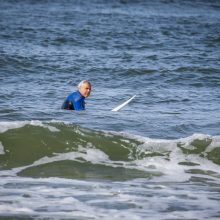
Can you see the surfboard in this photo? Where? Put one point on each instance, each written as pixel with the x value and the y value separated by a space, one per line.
pixel 123 104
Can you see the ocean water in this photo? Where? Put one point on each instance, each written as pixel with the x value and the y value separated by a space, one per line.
pixel 158 157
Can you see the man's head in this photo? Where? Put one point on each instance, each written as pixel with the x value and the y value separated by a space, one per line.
pixel 85 88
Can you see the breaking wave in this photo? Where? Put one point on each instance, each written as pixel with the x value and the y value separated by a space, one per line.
pixel 58 149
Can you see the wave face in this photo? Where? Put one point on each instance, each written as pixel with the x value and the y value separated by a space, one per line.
pixel 57 149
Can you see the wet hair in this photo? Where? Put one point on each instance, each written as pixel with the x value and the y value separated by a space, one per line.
pixel 83 82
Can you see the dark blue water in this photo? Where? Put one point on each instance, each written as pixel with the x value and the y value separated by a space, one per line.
pixel 167 52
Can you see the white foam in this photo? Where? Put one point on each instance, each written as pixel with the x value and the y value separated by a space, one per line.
pixel 1 148
pixel 77 199
pixel 170 169
pixel 186 142
pixel 171 166
pixel 13 208
pixel 40 124
pixel 5 126
pixel 91 155
pixel 214 144
pixel 95 155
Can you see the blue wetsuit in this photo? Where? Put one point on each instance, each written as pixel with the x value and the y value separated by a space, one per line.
pixel 75 101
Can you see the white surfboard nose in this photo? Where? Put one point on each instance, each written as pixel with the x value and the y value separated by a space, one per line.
pixel 122 105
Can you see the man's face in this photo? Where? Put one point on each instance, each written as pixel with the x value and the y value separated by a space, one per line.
pixel 85 89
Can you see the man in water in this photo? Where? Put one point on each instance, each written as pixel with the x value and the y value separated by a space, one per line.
pixel 76 100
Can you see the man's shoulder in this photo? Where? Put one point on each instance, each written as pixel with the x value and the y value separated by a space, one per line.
pixel 75 96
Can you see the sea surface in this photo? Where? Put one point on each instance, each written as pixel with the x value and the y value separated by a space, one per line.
pixel 158 157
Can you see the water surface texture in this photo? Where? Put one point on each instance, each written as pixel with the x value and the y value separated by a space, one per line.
pixel 158 157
